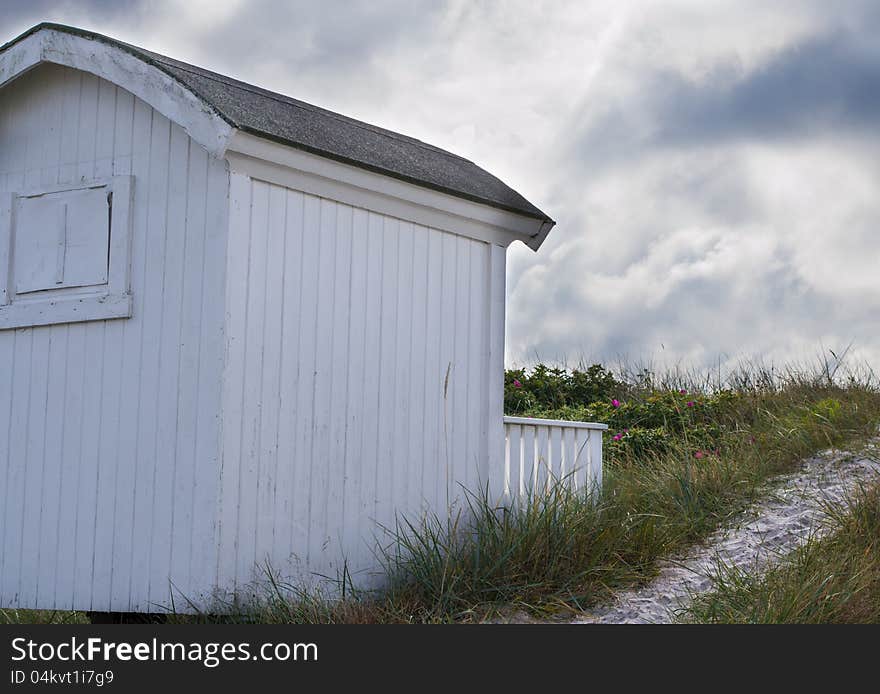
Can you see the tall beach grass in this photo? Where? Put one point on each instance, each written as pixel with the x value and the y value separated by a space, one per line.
pixel 684 453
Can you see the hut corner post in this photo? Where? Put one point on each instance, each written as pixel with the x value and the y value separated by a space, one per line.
pixel 495 459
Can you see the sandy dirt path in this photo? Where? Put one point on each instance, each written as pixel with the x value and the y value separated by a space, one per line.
pixel 792 512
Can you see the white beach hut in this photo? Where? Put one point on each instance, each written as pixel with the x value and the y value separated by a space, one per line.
pixel 236 331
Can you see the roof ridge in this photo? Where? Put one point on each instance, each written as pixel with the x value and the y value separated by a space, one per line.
pixel 296 123
pixel 168 61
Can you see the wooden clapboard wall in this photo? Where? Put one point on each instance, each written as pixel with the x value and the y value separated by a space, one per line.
pixel 358 379
pixel 295 373
pixel 109 430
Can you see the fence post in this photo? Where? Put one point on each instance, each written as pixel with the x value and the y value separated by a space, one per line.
pixel 595 475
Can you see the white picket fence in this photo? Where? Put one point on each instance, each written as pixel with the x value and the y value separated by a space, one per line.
pixel 538 451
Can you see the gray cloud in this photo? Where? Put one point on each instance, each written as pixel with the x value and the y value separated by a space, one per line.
pixel 719 199
pixel 338 40
pixel 713 165
pixel 828 83
pixel 18 15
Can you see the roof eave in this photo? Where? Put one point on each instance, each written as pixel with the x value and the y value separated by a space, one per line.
pixel 127 67
pixel 316 173
pixel 535 241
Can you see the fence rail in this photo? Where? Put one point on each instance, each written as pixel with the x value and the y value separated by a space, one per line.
pixel 537 451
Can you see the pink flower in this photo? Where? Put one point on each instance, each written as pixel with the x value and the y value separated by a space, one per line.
pixel 683 391
pixel 626 431
pixel 617 437
pixel 691 403
pixel 698 454
pixel 516 383
pixel 615 403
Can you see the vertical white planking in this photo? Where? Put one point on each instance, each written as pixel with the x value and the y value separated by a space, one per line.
pixel 434 374
pixel 494 359
pixel 108 466
pixel 543 459
pixel 30 172
pixel 449 376
pixel 71 466
pixel 381 326
pixel 92 383
pixel 252 409
pixel 42 532
pixel 34 464
pixel 477 334
pixel 569 454
pixel 87 130
pixel 288 377
pixel 109 423
pixel 595 477
pixel 589 463
pixel 114 139
pixel 462 467
pixel 422 323
pixel 565 450
pixel 50 127
pixel 514 481
pixel 271 366
pixel 205 539
pixel 128 471
pixel 374 320
pixel 189 371
pixel 319 431
pixel 355 458
pixel 403 413
pixel 13 506
pixel 88 478
pixel 335 452
pixel 72 83
pixel 123 132
pixel 169 347
pixel 148 388
pixel 369 406
pixel 233 378
pixel 7 393
pixel 306 365
pixel 387 365
pixel 554 462
pixel 581 459
pixel 113 157
pixel 529 459
pixel 105 129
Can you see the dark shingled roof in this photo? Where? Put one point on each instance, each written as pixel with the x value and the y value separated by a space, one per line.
pixel 317 130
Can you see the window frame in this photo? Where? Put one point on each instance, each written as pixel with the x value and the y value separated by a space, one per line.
pixel 70 304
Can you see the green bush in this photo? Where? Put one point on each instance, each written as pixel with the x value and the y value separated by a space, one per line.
pixel 643 420
pixel 548 388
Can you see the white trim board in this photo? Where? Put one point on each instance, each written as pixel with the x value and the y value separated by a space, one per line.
pixel 287 166
pixel 534 421
pixel 145 81
pixel 71 309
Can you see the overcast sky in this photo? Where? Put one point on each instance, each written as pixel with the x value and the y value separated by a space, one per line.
pixel 713 166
